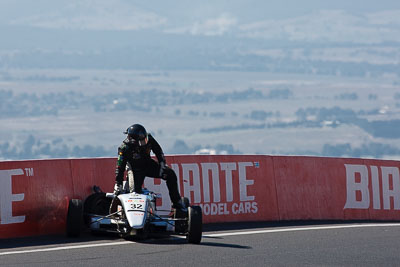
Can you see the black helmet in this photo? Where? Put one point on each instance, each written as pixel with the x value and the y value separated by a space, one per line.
pixel 137 134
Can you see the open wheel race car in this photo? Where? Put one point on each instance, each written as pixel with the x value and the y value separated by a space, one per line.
pixel 131 215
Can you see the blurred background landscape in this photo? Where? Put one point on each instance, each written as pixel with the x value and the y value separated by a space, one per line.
pixel 214 77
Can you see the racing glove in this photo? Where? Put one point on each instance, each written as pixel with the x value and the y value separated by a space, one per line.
pixel 117 189
pixel 163 167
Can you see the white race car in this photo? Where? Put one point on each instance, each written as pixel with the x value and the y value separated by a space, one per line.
pixel 132 215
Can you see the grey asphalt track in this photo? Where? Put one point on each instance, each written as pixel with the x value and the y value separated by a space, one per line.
pixel 240 244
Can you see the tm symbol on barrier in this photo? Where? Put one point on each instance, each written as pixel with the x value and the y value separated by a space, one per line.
pixel 29 171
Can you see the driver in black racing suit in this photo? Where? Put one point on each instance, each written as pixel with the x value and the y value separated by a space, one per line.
pixel 135 150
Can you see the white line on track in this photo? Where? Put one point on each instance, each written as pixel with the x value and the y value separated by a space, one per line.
pixel 66 247
pixel 293 229
pixel 304 229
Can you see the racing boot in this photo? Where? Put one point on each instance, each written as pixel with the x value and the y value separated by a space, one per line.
pixel 180 205
pixel 180 212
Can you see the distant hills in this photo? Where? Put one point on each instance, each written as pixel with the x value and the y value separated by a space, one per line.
pixel 218 36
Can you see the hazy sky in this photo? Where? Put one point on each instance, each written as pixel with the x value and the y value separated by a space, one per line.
pixel 365 21
pixel 174 10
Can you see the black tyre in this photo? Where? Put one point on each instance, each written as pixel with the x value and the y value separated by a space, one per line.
pixel 195 225
pixel 74 218
pixel 97 203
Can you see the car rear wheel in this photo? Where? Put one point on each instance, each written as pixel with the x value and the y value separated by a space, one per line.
pixel 195 225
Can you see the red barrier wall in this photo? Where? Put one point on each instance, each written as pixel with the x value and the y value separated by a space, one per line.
pixel 34 197
pixel 230 188
pixel 34 194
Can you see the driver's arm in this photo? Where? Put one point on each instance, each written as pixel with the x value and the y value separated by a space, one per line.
pixel 121 164
pixel 155 146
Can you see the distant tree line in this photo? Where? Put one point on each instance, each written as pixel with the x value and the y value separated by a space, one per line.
pixel 33 148
pixel 374 150
pixel 224 56
pixel 323 117
pixel 32 104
